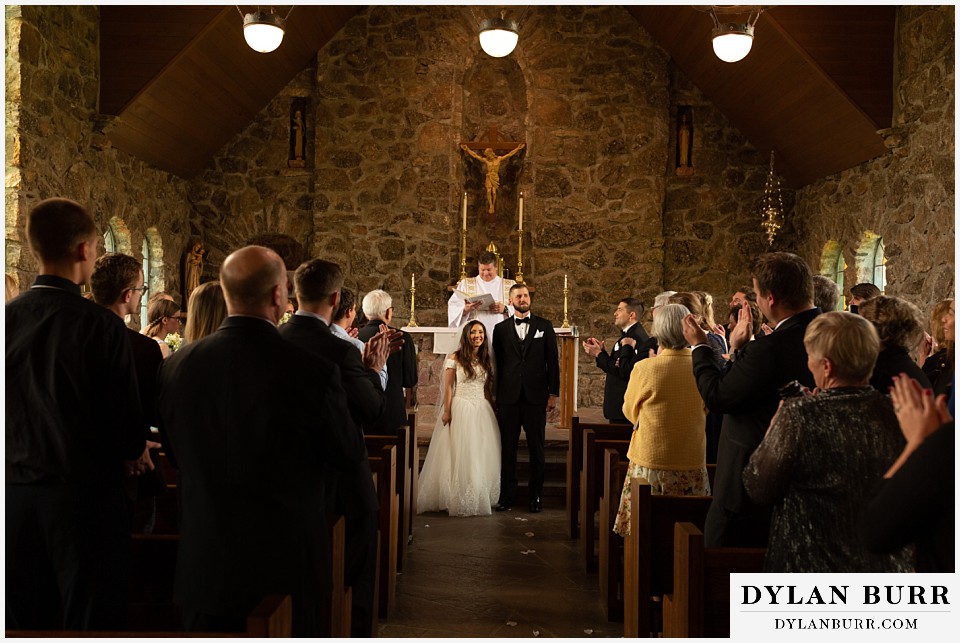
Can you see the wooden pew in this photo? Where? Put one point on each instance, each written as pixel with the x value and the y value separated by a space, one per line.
pixel 611 544
pixel 575 464
pixel 700 603
pixel 341 598
pixel 153 563
pixel 414 460
pixel 648 552
pixel 404 483
pixel 384 465
pixel 591 483
pixel 272 618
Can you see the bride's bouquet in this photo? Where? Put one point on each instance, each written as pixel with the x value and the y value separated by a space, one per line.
pixel 174 341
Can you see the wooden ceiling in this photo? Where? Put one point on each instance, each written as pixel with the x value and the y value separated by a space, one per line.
pixel 815 88
pixel 182 81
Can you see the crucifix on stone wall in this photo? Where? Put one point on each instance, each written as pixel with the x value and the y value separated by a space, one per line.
pixel 490 142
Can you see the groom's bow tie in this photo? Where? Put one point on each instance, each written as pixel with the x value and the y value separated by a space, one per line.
pixel 521 320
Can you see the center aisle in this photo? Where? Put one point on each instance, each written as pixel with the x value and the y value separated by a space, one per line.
pixel 512 574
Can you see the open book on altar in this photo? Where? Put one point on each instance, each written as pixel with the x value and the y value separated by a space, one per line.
pixel 486 299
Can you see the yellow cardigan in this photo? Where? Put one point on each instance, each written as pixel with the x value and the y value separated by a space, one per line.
pixel 663 393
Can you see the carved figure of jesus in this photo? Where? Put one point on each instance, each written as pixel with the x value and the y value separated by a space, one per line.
pixel 492 163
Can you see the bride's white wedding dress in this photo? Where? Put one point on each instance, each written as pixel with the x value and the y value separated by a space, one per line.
pixel 461 473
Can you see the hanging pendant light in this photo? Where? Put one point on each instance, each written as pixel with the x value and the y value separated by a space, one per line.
pixel 732 41
pixel 263 31
pixel 498 36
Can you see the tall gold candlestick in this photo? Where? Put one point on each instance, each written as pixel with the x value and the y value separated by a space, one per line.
pixel 463 239
pixel 413 301
pixel 566 322
pixel 519 274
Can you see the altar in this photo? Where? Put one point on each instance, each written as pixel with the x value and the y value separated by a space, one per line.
pixel 435 342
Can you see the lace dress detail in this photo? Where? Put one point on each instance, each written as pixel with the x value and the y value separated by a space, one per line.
pixel 461 473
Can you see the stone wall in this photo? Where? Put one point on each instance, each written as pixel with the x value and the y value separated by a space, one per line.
pixel 907 195
pixel 55 146
pixel 711 220
pixel 396 92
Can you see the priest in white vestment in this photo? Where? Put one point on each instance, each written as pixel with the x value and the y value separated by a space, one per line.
pixel 489 282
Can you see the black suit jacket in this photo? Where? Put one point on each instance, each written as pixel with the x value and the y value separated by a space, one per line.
pixel 365 398
pixel 253 421
pixel 618 365
pixel 401 374
pixel 531 366
pixel 891 362
pixel 747 396
pixel 146 360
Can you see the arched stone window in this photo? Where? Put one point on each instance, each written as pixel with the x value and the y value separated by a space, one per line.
pixel 871 261
pixel 879 266
pixel 145 296
pixel 832 265
pixel 109 240
pixel 152 253
pixel 116 238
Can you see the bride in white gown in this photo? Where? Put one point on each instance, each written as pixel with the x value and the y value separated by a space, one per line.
pixel 461 473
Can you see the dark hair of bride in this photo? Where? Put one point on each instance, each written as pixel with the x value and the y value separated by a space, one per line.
pixel 464 356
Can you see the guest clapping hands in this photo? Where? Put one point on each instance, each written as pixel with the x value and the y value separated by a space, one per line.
pixel 915 502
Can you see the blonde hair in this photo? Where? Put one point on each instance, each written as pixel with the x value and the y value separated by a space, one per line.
pixel 12 289
pixel 155 313
pixel 848 340
pixel 706 306
pixel 692 303
pixel 205 312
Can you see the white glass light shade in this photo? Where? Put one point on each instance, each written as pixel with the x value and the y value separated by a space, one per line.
pixel 263 31
pixel 732 42
pixel 498 37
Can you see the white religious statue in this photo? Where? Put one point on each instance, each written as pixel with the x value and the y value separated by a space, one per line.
pixel 486 282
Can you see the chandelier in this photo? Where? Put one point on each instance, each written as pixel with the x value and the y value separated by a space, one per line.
pixel 771 210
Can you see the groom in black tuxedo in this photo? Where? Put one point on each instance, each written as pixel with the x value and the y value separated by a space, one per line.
pixel 528 384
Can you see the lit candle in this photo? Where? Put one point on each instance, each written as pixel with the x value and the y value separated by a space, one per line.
pixel 413 280
pixel 564 282
pixel 464 210
pixel 521 212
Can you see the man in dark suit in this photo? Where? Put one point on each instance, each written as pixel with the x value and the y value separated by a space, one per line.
pixel 253 422
pixel 117 285
pixel 634 345
pixel 528 385
pixel 747 393
pixel 401 365
pixel 72 419
pixel 318 285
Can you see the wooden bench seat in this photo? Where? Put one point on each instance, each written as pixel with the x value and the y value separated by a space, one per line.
pixel 611 544
pixel 384 463
pixel 272 618
pixel 591 485
pixel 404 483
pixel 575 464
pixel 648 553
pixel 699 605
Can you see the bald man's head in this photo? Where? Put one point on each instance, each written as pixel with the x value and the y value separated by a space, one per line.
pixel 254 282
